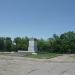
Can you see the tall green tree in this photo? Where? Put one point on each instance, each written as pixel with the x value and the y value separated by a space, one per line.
pixel 51 44
pixel 24 43
pixel 8 44
pixel 68 42
pixel 42 45
pixel 17 41
pixel 21 43
pixel 2 44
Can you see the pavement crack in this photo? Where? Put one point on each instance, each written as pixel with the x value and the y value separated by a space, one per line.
pixel 32 71
pixel 65 71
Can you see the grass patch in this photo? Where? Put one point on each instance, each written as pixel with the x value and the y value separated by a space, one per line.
pixel 4 53
pixel 41 55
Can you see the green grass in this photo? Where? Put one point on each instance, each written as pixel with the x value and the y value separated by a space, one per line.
pixel 42 55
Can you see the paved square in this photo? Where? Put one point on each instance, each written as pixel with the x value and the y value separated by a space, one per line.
pixel 25 66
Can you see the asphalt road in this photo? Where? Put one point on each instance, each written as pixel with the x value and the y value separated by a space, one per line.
pixel 23 66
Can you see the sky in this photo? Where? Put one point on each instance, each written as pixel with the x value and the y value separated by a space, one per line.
pixel 36 18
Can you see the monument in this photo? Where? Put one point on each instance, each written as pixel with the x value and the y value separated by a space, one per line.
pixel 32 45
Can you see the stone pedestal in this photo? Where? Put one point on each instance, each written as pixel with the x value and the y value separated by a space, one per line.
pixel 32 45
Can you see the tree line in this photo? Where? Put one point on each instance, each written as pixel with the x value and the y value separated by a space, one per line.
pixel 64 43
pixel 6 44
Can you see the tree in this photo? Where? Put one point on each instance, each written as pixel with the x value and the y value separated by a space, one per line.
pixel 17 41
pixel 24 43
pixel 21 43
pixel 50 44
pixel 8 44
pixel 1 44
pixel 68 41
pixel 57 43
pixel 42 45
